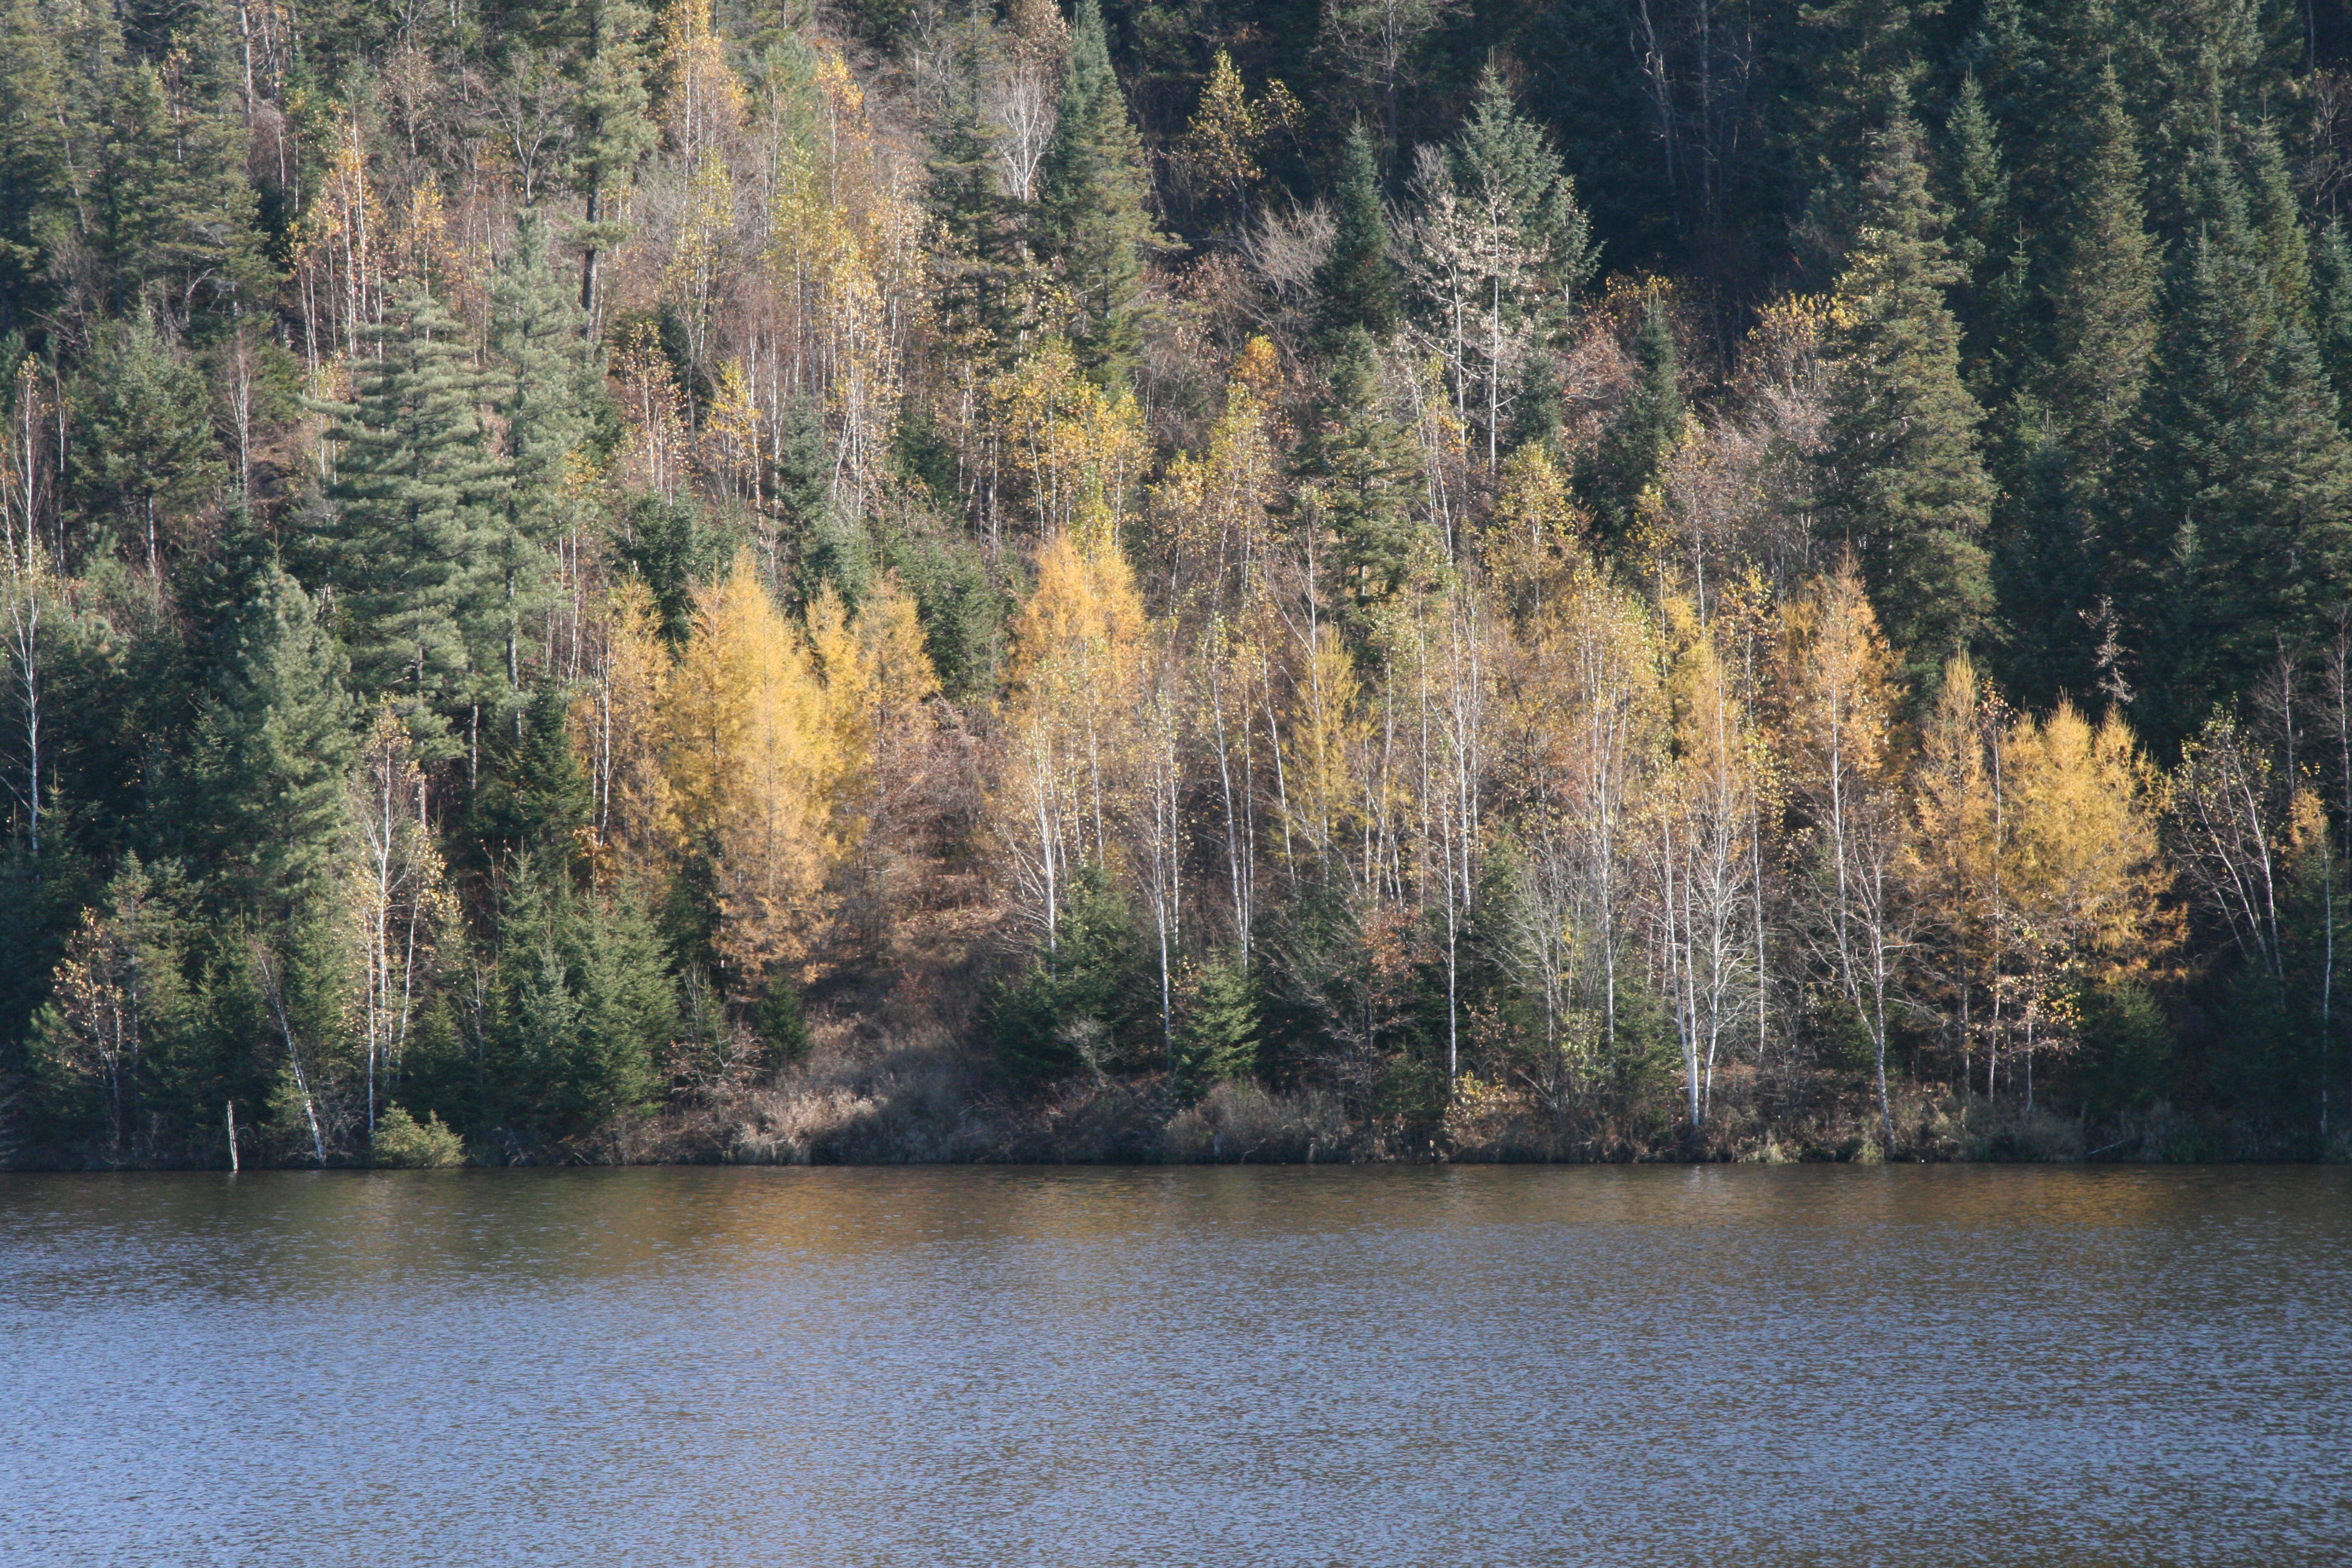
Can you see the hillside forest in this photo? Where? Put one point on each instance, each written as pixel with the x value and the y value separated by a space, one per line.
pixel 590 581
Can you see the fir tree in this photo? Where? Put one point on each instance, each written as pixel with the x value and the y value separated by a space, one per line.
pixel 274 738
pixel 1357 284
pixel 978 267
pixel 1093 197
pixel 1642 436
pixel 2060 435
pixel 2232 529
pixel 612 131
pixel 147 451
pixel 551 379
pixel 415 537
pixel 582 1002
pixel 2331 296
pixel 36 116
pixel 1358 471
pixel 173 206
pixel 1905 485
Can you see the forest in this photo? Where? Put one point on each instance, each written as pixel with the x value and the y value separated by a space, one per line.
pixel 590 582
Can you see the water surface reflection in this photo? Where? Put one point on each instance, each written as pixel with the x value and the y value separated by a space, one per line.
pixel 1656 1365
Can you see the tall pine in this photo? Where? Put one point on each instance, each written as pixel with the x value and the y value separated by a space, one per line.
pixel 1093 195
pixel 1904 481
pixel 413 535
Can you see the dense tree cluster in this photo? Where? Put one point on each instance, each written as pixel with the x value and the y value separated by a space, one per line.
pixel 1578 578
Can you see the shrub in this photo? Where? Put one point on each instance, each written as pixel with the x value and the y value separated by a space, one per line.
pixel 403 1143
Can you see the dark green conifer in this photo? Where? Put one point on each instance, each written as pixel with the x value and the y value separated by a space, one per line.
pixel 612 131
pixel 1641 435
pixel 273 738
pixel 147 453
pixel 414 540
pixel 1094 195
pixel 1905 485
pixel 1357 470
pixel 2232 529
pixel 1357 284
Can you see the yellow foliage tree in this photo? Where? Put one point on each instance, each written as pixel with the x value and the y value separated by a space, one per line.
pixel 2081 873
pixel 753 771
pixel 1080 646
pixel 620 725
pixel 1208 512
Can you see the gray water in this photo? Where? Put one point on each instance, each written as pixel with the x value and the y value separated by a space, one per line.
pixel 1351 1366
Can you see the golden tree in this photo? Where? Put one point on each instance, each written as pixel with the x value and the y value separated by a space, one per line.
pixel 753 771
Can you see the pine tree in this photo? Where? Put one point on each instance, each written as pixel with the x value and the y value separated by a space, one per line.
pixel 552 380
pixel 612 131
pixel 1357 284
pixel 1641 435
pixel 274 738
pixel 1093 198
pixel 2233 527
pixel 1358 472
pixel 1905 485
pixel 2062 434
pixel 147 451
pixel 415 540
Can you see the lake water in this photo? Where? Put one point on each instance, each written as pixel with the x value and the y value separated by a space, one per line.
pixel 1650 1366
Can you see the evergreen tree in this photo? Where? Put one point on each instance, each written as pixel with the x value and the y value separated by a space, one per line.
pixel 1641 435
pixel 414 537
pixel 1358 471
pixel 147 451
pixel 978 267
pixel 2331 296
pixel 1357 284
pixel 1507 161
pixel 611 130
pixel 1904 483
pixel 552 378
pixel 1093 199
pixel 174 207
pixel 536 797
pixel 36 118
pixel 274 738
pixel 582 1004
pixel 1846 67
pixel 2060 435
pixel 2234 523
pixel 1218 1041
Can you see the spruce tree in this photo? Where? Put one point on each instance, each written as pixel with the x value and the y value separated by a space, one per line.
pixel 977 266
pixel 1641 435
pixel 414 538
pixel 551 379
pixel 147 452
pixel 36 116
pixel 2231 531
pixel 273 738
pixel 1358 471
pixel 172 206
pixel 2060 435
pixel 2331 305
pixel 1357 284
pixel 1093 197
pixel 610 130
pixel 1905 485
